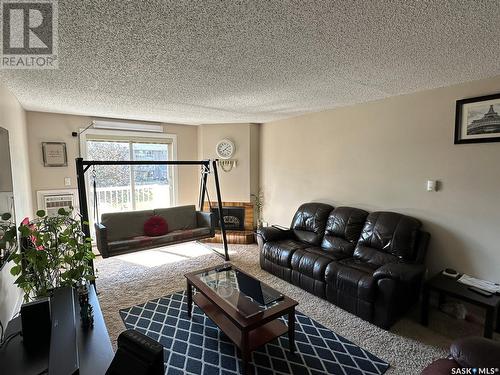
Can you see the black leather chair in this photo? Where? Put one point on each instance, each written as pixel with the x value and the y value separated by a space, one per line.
pixel 466 354
pixel 368 264
pixel 137 354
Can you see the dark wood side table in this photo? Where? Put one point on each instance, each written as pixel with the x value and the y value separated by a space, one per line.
pixel 94 347
pixel 448 286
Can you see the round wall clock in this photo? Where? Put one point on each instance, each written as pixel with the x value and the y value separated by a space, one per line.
pixel 225 148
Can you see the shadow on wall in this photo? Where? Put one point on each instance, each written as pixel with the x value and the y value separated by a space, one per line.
pixel 446 248
pixel 454 251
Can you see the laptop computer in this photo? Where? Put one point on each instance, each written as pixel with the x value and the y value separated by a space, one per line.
pixel 254 289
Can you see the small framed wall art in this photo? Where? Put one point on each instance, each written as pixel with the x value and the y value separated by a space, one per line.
pixel 477 120
pixel 54 154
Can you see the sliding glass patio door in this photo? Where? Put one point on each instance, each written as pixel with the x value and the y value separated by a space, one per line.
pixel 130 188
pixel 151 184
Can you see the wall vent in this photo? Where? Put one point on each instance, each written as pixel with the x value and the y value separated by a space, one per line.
pixel 52 200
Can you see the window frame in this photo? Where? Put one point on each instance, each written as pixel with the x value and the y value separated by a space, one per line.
pixel 131 137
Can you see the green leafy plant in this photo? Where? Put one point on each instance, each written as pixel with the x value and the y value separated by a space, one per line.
pixel 8 237
pixel 54 252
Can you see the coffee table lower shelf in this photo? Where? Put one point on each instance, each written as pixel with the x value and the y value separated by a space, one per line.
pixel 256 337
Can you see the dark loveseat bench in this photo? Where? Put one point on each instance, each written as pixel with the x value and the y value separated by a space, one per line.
pixel 123 232
pixel 369 264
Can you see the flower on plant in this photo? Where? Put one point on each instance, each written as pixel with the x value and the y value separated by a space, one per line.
pixel 31 226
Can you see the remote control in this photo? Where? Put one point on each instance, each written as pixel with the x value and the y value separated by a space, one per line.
pixel 223 268
pixel 480 291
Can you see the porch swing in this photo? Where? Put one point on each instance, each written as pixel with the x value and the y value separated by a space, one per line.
pixel 123 232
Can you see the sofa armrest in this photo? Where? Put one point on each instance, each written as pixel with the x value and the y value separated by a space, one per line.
pixel 476 352
pixel 405 272
pixel 273 234
pixel 205 219
pixel 101 233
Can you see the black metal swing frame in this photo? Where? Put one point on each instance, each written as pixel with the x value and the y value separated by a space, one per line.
pixel 82 166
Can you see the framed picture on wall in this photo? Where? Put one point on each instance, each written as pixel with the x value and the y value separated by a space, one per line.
pixel 54 154
pixel 477 120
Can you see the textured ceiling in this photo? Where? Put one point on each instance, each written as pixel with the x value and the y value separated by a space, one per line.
pixel 187 61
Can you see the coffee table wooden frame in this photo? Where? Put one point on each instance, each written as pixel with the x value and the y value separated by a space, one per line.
pixel 249 333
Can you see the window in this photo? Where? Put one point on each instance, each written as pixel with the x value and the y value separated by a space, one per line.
pixel 125 187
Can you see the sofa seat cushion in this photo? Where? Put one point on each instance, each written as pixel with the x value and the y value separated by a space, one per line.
pixel 180 235
pixel 280 252
pixel 373 257
pixel 312 261
pixel 352 277
pixel 194 233
pixel 139 242
pixel 130 244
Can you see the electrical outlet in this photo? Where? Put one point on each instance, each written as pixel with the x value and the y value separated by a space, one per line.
pixel 67 181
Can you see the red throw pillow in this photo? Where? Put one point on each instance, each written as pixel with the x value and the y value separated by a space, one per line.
pixel 155 226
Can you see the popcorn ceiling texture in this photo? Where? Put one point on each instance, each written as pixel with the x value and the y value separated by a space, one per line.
pixel 219 61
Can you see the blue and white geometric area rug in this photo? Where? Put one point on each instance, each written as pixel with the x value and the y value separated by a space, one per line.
pixel 197 346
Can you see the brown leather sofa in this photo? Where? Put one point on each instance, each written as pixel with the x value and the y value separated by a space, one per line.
pixel 369 264
pixel 467 354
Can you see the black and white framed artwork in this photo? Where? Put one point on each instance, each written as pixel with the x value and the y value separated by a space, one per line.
pixel 478 120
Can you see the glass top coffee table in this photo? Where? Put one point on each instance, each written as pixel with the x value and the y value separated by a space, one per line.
pixel 244 308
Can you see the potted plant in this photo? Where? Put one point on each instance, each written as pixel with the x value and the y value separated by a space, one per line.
pixel 55 252
pixel 259 204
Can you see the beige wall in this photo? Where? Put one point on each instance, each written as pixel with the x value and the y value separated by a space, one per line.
pixel 43 127
pixel 254 158
pixel 5 164
pixel 378 156
pixel 187 149
pixel 12 118
pixel 52 127
pixel 236 185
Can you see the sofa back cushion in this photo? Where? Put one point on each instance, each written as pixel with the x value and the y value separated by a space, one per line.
pixel 343 229
pixel 178 218
pixel 125 225
pixel 309 222
pixel 388 237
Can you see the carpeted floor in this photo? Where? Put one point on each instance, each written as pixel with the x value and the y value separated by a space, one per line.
pixel 135 278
